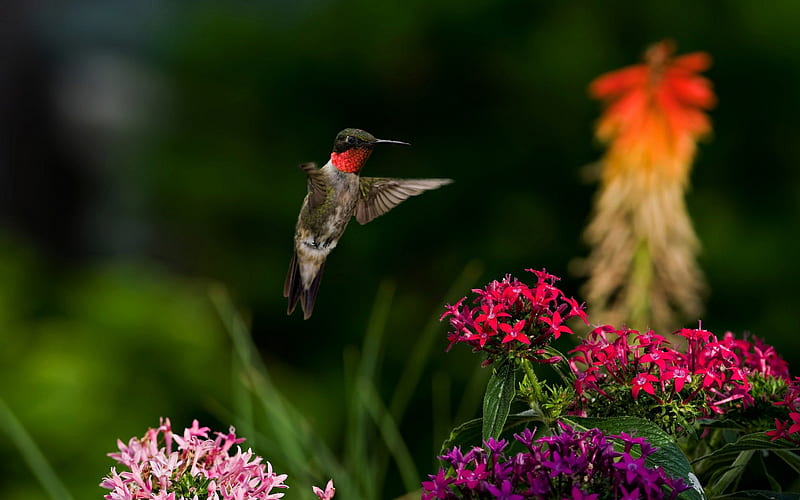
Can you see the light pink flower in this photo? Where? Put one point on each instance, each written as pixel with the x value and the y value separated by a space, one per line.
pixel 327 494
pixel 199 469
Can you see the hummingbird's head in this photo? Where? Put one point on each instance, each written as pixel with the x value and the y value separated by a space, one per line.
pixel 352 147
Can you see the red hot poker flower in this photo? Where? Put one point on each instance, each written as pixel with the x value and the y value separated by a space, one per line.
pixel 642 268
pixel 655 113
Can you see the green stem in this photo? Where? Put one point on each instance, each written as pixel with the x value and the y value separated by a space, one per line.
pixel 640 308
pixel 533 380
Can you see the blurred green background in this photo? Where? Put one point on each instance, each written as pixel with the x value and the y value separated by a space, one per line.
pixel 149 149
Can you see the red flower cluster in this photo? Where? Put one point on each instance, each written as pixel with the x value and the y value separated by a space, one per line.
pixel 758 357
pixel 711 372
pixel 513 318
pixel 789 429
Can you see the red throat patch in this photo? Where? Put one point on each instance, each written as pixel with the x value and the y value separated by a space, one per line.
pixel 351 160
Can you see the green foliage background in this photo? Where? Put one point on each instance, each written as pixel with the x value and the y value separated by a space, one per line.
pixel 149 150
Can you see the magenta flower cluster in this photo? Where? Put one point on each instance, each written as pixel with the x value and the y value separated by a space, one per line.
pixel 757 357
pixel 511 317
pixel 789 428
pixel 570 464
pixel 167 466
pixel 712 370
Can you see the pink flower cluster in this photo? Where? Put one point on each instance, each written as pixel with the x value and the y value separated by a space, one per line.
pixel 712 369
pixel 167 466
pixel 512 317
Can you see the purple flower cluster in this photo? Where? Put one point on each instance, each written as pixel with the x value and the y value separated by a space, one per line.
pixel 571 464
pixel 512 317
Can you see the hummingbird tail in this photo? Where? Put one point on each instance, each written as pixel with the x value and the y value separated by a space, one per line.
pixel 294 290
pixel 293 286
pixel 309 296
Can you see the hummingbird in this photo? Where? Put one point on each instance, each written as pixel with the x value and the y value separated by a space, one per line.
pixel 337 193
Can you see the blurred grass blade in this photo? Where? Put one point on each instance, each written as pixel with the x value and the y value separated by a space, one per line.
pixel 441 394
pixel 32 455
pixel 304 451
pixel 417 360
pixel 254 374
pixel 357 453
pixel 390 434
pixel 409 379
pixel 243 413
pixel 376 328
pixel 241 400
pixel 473 394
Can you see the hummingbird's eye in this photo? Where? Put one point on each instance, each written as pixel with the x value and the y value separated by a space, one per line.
pixel 350 139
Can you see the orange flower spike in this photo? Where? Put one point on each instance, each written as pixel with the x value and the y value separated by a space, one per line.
pixel 654 115
pixel 642 268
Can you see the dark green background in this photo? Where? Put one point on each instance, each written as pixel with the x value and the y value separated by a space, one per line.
pixel 148 149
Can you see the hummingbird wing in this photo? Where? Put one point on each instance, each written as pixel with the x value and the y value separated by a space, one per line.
pixel 381 194
pixel 317 188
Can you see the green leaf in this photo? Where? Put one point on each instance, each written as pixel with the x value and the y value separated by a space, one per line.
pixel 773 482
pixel 727 477
pixel 721 423
pixel 759 494
pixel 500 392
pixel 792 459
pixel 668 456
pixel 757 441
pixel 469 434
pixel 735 453
pixel 562 367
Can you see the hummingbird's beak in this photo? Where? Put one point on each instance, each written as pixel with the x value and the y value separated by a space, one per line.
pixel 387 141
